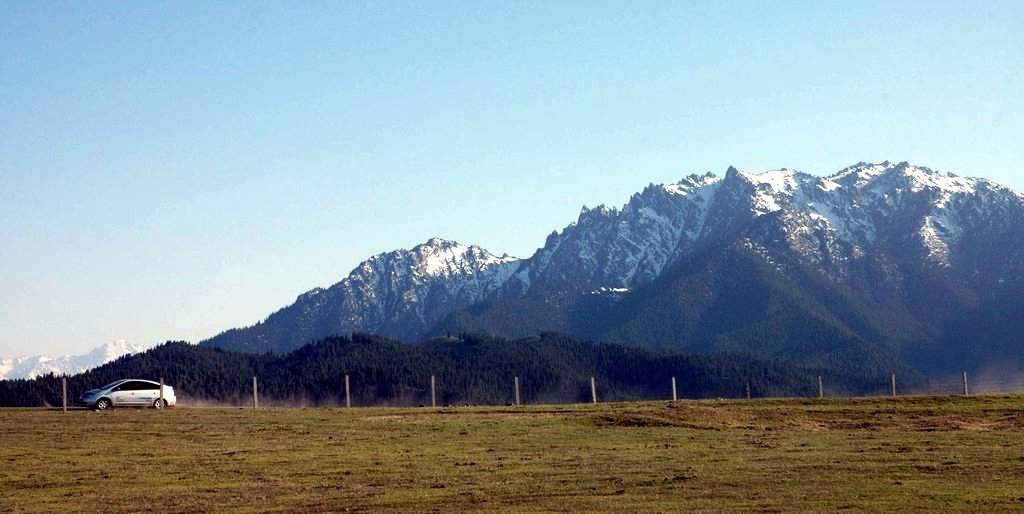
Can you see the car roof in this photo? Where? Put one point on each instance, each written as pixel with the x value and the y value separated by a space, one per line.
pixel 119 382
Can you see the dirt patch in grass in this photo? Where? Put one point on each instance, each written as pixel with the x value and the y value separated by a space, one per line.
pixel 811 417
pixel 677 414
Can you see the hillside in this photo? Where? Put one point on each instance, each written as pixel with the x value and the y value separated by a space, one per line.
pixel 471 369
pixel 883 267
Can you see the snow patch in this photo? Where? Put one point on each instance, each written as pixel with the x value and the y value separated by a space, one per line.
pixel 690 184
pixel 934 244
pixel 771 187
pixel 780 180
pixel 610 290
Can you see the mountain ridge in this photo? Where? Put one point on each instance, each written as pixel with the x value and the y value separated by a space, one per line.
pixel 392 293
pixel 878 243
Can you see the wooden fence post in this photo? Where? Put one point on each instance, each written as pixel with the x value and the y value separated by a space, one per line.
pixel 821 388
pixel 64 387
pixel 893 385
pixel 161 392
pixel 348 394
pixel 255 393
pixel 516 381
pixel 748 390
pixel 965 384
pixel 675 396
pixel 433 391
pixel 593 390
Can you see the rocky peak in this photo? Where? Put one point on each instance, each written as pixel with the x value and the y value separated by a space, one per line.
pixel 827 222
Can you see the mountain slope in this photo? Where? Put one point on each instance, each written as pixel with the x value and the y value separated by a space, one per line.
pixel 891 262
pixel 399 294
pixel 875 266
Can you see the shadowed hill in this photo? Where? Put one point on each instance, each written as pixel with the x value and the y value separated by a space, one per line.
pixel 469 369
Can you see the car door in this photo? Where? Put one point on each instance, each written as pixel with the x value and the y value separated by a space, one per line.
pixel 137 393
pixel 147 393
pixel 124 394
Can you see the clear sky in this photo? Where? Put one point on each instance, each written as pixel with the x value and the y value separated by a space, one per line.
pixel 169 170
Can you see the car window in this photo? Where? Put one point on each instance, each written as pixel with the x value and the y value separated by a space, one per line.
pixel 108 386
pixel 136 385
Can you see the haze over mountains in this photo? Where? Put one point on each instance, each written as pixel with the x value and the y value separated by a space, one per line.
pixel 876 268
pixel 39 365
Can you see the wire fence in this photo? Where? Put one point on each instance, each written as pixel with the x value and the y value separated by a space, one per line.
pixel 433 391
pixel 436 395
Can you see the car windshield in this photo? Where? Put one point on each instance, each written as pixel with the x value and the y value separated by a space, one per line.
pixel 112 384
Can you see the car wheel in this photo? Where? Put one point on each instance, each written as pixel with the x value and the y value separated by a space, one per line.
pixel 159 404
pixel 103 404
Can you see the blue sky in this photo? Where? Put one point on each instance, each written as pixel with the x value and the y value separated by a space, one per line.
pixel 169 170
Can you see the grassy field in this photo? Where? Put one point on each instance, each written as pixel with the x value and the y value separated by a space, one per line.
pixel 908 454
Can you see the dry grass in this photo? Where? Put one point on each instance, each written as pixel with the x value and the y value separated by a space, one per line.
pixel 909 454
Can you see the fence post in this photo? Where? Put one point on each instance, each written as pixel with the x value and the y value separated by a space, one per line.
pixel 748 390
pixel 516 381
pixel 593 390
pixel 433 391
pixel 255 393
pixel 161 392
pixel 64 387
pixel 965 384
pixel 675 396
pixel 348 394
pixel 893 385
pixel 821 388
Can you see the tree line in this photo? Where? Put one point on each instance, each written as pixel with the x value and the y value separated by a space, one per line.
pixel 470 369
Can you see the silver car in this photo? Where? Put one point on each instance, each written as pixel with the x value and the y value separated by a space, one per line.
pixel 129 393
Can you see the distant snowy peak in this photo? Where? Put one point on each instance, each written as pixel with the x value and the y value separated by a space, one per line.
pixel 112 351
pixel 38 365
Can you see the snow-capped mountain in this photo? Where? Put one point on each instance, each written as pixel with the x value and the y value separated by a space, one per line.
pixel 620 248
pixel 890 256
pixel 841 216
pixel 401 293
pixel 38 365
